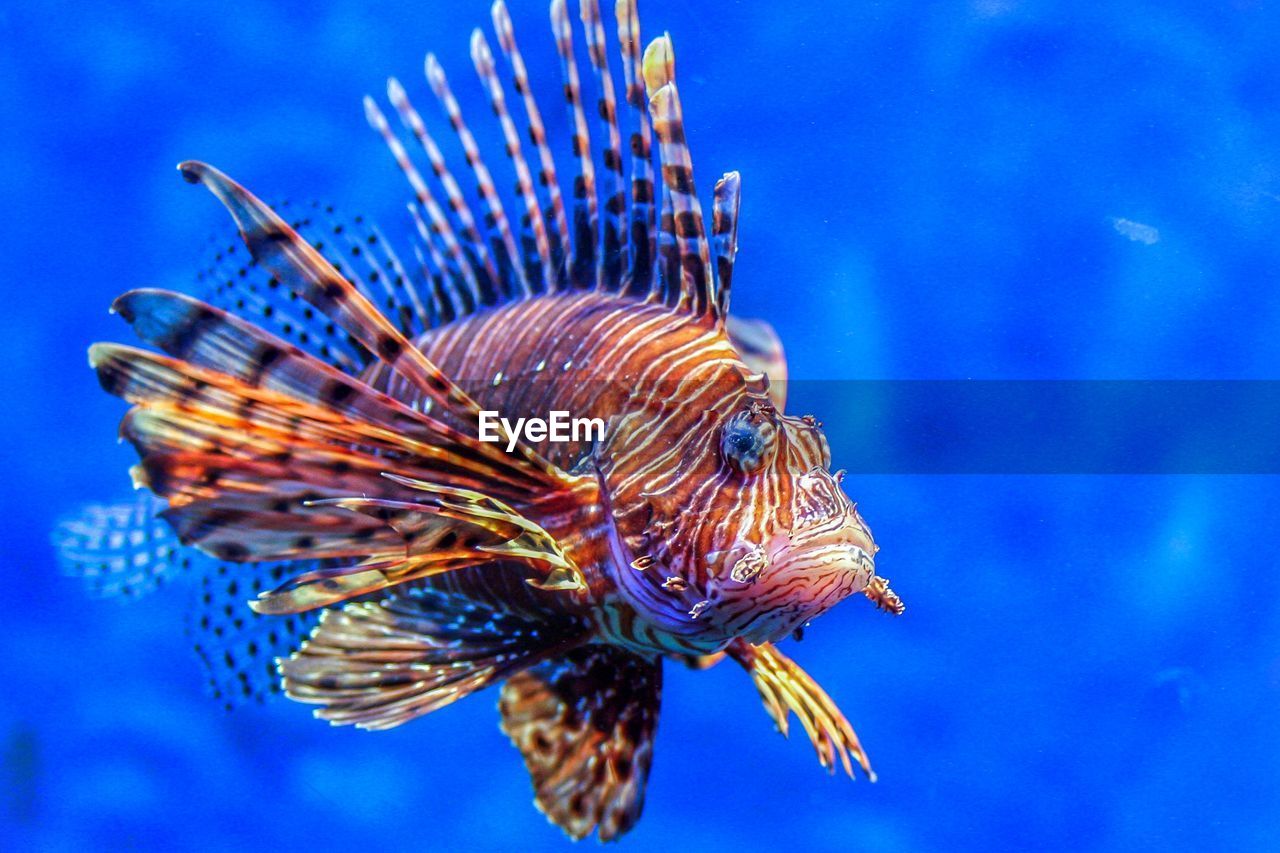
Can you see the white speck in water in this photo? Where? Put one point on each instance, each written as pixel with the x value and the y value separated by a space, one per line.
pixel 1136 231
pixel 497 379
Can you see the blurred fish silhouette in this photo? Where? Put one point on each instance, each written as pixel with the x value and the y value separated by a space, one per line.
pixel 310 438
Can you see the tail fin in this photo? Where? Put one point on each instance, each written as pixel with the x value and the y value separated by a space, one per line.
pixel 128 550
pixel 123 549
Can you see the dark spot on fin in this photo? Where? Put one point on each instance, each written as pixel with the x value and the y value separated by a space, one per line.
pixel 599 695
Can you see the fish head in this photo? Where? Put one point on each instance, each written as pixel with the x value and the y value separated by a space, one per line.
pixel 749 531
pixel 792 544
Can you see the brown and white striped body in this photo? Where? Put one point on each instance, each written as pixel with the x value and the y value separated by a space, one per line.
pixel 664 383
pixel 326 424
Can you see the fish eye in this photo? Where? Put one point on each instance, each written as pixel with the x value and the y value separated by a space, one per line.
pixel 748 438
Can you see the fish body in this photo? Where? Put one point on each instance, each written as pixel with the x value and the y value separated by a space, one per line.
pixel 313 426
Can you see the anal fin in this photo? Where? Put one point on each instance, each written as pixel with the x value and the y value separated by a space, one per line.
pixel 585 723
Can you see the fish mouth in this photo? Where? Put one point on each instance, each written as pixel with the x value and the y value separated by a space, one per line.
pixel 832 544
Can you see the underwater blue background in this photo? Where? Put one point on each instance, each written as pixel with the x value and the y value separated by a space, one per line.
pixel 931 191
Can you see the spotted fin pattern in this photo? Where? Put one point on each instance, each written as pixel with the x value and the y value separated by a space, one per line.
pixel 128 550
pixel 238 647
pixel 235 282
pixel 609 238
pixel 585 724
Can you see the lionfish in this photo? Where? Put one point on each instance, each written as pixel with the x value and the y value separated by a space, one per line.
pixel 309 441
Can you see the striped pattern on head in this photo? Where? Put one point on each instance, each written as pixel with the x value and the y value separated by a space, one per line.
pixel 748 533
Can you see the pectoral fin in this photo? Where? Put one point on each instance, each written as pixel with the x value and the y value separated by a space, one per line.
pixel 442 530
pixel 376 665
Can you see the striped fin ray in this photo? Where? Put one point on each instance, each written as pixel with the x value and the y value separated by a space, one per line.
pixel 297 264
pixel 785 688
pixel 235 282
pixel 613 221
pixel 364 256
pixel 440 228
pixel 355 249
pixel 667 283
pixel 434 272
pixel 538 270
pixel 584 270
pixel 504 247
pixel 447 285
pixel 253 474
pixel 235 372
pixel 377 665
pixel 208 337
pixel 643 240
pixel 473 245
pixel 236 451
pixel 245 489
pixel 637 246
pixel 230 500
pixel 696 281
pixel 557 227
pixel 724 236
pixel 442 529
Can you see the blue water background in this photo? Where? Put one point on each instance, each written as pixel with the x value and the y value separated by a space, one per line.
pixel 931 192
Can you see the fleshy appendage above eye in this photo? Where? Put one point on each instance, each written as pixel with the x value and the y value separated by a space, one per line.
pixel 749 438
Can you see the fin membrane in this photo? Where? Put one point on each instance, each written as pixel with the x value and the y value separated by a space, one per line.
pixel 585 723
pixel 785 688
pixel 235 282
pixel 239 648
pixel 376 665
